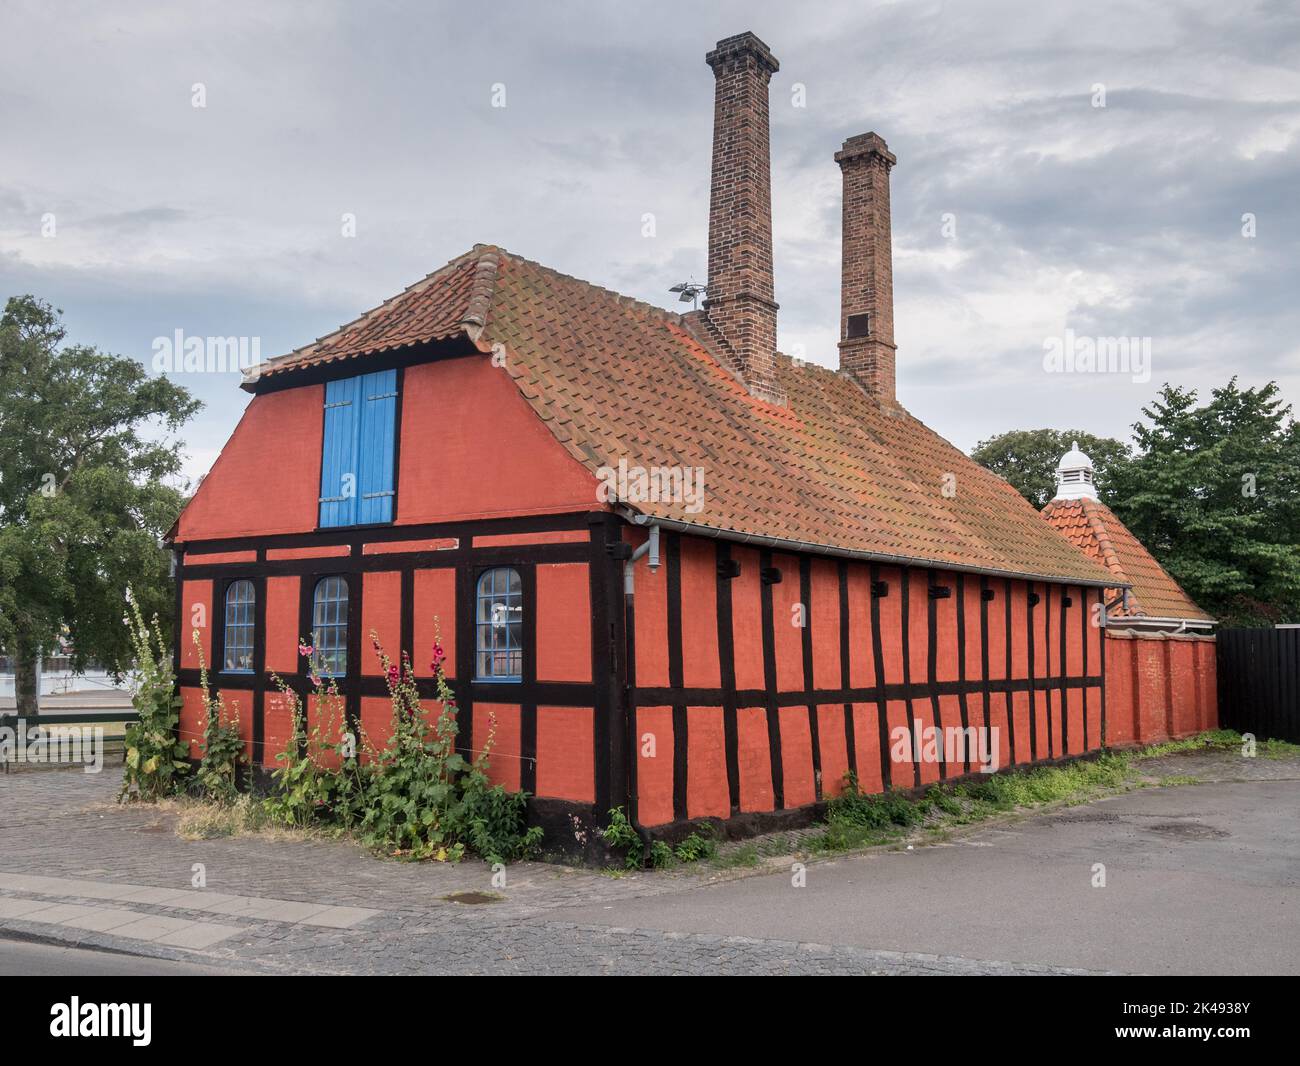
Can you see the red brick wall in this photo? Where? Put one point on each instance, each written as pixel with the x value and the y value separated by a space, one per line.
pixel 867 272
pixel 741 300
pixel 1158 687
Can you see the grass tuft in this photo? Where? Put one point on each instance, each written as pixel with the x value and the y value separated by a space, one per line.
pixel 855 819
pixel 208 820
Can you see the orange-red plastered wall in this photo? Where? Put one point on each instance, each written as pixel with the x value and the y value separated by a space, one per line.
pixel 563 622
pixel 258 485
pixel 495 457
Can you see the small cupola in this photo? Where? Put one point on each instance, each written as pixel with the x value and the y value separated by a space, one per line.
pixel 1074 476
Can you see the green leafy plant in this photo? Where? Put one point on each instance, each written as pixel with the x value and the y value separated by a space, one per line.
pixel 661 855
pixel 155 763
pixel 620 834
pixel 217 777
pixel 417 797
pixel 700 844
pixel 319 779
pixel 854 807
pixel 658 854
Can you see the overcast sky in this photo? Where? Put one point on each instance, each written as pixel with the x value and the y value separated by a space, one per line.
pixel 226 220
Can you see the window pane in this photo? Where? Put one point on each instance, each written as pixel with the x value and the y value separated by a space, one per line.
pixel 330 626
pixel 498 625
pixel 238 627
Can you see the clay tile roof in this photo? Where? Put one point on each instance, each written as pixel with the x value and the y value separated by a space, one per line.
pixel 616 379
pixel 446 303
pixel 1092 527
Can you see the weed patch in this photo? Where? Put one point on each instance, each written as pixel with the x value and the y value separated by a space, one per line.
pixel 855 819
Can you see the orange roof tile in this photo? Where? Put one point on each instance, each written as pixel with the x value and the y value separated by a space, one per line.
pixel 616 379
pixel 1092 527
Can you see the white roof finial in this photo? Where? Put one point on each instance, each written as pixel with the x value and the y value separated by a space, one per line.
pixel 1074 476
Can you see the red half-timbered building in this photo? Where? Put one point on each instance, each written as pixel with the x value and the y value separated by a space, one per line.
pixel 680 572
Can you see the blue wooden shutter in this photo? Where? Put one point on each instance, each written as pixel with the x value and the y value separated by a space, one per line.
pixel 378 398
pixel 339 479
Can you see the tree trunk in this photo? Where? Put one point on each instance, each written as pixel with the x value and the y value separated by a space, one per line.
pixel 27 677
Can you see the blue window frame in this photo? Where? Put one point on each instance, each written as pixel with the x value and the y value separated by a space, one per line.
pixel 499 625
pixel 329 626
pixel 240 601
pixel 358 450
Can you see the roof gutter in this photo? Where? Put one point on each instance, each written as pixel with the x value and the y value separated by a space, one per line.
pixel 781 544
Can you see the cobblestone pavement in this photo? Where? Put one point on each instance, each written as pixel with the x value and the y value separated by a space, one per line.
pixel 73 868
pixel 77 869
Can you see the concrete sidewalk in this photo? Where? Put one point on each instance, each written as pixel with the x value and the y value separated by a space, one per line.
pixel 1200 878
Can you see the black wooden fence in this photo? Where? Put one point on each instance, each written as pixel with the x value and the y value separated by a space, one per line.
pixel 1259 682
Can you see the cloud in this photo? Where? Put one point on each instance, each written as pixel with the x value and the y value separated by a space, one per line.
pixel 227 219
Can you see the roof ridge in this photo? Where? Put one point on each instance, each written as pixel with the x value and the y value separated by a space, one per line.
pixel 631 301
pixel 422 283
pixel 482 289
pixel 1096 522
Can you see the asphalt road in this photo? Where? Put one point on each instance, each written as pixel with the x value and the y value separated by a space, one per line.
pixel 1200 879
pixel 26 958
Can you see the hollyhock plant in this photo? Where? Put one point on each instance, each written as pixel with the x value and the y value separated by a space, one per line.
pixel 417 797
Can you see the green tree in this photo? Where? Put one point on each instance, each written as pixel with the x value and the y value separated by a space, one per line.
pixel 1027 458
pixel 1214 494
pixel 84 498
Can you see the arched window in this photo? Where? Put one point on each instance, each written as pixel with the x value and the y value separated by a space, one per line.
pixel 329 626
pixel 499 626
pixel 239 628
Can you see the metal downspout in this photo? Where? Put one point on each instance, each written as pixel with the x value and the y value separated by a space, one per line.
pixel 650 548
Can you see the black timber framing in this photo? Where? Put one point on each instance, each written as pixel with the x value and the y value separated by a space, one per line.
pixel 678 697
pixel 602 694
pixel 613 693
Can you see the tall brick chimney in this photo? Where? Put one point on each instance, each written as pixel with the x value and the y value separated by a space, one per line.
pixel 867 278
pixel 740 302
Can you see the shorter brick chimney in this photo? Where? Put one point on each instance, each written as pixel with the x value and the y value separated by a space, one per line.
pixel 867 277
pixel 740 304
